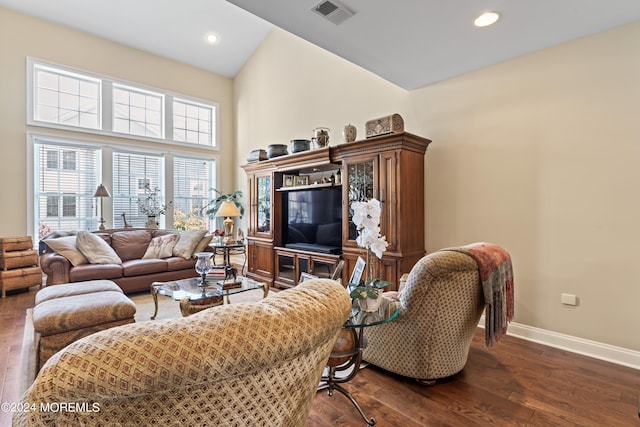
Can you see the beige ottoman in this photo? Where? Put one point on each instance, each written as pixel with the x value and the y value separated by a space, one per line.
pixel 65 313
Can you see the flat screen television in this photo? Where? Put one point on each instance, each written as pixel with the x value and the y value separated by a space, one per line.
pixel 313 220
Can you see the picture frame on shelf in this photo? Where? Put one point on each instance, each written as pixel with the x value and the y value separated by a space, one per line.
pixel 288 180
pixel 306 276
pixel 301 180
pixel 356 275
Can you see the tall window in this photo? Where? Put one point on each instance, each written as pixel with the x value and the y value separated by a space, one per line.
pixel 66 98
pixel 63 188
pixel 192 192
pixel 129 171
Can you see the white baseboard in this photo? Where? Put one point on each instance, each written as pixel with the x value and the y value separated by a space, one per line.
pixel 618 355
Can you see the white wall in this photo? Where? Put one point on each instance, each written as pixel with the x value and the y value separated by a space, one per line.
pixel 538 155
pixel 290 86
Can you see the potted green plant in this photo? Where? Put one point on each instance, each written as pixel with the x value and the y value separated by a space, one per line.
pixel 214 205
pixel 366 217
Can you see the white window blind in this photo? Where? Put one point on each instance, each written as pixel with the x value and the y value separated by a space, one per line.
pixel 64 188
pixel 193 181
pixel 131 171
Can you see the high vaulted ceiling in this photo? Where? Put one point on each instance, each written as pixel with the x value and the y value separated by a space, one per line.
pixel 411 43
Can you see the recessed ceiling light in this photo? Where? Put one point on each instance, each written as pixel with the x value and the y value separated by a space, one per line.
pixel 486 19
pixel 212 38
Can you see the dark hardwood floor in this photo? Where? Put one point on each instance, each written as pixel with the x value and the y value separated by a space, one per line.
pixel 514 383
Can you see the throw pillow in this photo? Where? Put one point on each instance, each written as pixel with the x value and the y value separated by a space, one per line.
pixel 203 243
pixel 161 247
pixel 66 246
pixel 187 243
pixel 95 249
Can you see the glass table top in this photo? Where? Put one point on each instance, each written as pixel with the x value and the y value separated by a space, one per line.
pixel 359 318
pixel 188 288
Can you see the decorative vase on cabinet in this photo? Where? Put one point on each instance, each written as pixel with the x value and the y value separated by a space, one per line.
pixel 349 133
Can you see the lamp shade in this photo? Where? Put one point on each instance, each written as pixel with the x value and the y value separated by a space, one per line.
pixel 102 191
pixel 228 209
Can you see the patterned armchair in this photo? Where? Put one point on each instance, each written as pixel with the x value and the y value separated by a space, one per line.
pixel 247 364
pixel 440 306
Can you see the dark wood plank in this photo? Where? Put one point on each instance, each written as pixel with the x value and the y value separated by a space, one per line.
pixel 514 383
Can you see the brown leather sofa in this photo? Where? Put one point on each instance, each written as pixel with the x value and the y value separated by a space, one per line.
pixel 133 275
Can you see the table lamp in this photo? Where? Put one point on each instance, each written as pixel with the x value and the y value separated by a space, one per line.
pixel 102 192
pixel 228 209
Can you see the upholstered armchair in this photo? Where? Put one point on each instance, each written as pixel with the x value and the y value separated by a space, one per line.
pixel 246 364
pixel 440 306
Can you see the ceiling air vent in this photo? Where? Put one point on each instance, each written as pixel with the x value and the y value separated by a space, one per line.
pixel 333 11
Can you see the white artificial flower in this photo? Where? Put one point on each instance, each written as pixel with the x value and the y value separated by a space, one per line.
pixel 373 209
pixel 366 217
pixel 379 246
pixel 358 217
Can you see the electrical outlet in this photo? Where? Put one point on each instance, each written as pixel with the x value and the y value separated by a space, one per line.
pixel 568 299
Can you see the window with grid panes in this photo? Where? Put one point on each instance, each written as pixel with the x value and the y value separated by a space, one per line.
pixel 192 122
pixel 66 98
pixel 137 112
pixel 60 96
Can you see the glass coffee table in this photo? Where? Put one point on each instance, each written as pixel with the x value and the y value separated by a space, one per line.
pixel 194 298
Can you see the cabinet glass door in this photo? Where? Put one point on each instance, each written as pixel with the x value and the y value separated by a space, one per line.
pixel 286 268
pixel 360 187
pixel 263 201
pixel 303 265
pixel 323 269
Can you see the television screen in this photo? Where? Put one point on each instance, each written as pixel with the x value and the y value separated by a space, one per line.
pixel 314 218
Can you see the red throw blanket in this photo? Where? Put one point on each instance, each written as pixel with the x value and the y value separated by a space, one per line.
pixel 496 275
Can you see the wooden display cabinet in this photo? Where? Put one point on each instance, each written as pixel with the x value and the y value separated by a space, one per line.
pixel 389 168
pixel 261 234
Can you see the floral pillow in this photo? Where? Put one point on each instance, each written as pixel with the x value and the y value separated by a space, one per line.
pixel 161 247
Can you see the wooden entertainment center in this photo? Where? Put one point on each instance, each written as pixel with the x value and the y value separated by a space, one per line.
pixel 389 168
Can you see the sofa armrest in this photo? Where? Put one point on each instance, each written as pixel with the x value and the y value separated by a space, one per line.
pixel 56 267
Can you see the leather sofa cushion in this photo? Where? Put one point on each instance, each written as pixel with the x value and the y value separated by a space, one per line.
pixel 94 272
pixel 179 263
pixel 139 267
pixel 130 244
